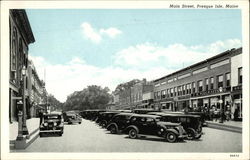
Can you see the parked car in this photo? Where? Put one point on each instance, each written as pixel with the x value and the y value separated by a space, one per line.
pixel 105 117
pixel 119 122
pixel 72 118
pixel 202 116
pixel 51 123
pixel 144 124
pixel 191 123
pixel 144 110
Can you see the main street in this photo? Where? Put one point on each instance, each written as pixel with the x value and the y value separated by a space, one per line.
pixel 89 137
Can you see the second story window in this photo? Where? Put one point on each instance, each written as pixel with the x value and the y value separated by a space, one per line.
pixel 193 87
pixel 200 84
pixel 219 81
pixel 163 94
pixel 228 79
pixel 206 84
pixel 240 75
pixel 168 92
pixel 155 95
pixel 179 90
pixel 158 95
pixel 184 89
pixel 171 92
pixel 212 83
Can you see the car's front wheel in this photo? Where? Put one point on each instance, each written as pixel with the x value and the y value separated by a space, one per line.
pixel 190 134
pixel 171 137
pixel 113 129
pixel 132 133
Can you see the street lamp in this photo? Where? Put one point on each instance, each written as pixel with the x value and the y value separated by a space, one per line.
pixel 221 110
pixel 24 126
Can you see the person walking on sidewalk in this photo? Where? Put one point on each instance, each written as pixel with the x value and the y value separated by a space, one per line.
pixel 41 117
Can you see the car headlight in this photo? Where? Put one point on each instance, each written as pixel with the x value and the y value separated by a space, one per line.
pixel 55 123
pixel 45 124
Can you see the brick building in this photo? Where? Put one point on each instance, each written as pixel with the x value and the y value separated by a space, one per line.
pixel 203 85
pixel 20 37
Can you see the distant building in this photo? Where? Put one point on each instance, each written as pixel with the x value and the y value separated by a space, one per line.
pixel 214 82
pixel 35 91
pixel 20 37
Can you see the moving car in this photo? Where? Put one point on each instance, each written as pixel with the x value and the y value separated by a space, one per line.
pixel 51 123
pixel 144 124
pixel 191 123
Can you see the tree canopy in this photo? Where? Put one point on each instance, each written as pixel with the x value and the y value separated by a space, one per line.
pixel 92 97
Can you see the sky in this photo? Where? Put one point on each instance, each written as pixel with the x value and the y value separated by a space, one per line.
pixel 76 48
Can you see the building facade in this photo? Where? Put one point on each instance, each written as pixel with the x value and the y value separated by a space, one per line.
pixel 204 85
pixel 36 91
pixel 20 37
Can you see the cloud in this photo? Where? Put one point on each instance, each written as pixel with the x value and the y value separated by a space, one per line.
pixel 147 55
pixel 90 33
pixel 111 32
pixel 96 35
pixel 147 60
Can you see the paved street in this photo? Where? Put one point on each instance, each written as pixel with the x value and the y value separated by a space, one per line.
pixel 89 137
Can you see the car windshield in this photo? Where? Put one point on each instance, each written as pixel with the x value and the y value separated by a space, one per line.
pixel 157 119
pixel 52 117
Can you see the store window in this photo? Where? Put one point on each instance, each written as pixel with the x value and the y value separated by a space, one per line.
pixel 240 75
pixel 212 83
pixel 200 84
pixel 220 81
pixel 193 87
pixel 228 79
pixel 207 81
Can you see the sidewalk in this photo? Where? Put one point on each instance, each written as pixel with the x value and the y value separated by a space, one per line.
pixel 233 126
pixel 33 128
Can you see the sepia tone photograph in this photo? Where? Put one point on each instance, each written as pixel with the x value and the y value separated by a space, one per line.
pixel 125 80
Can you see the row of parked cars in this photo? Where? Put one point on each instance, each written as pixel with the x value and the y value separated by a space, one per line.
pixel 172 126
pixel 54 123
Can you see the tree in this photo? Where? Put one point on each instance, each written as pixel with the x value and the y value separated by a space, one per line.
pixel 92 97
pixel 57 105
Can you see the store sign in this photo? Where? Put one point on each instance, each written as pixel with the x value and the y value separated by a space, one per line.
pixel 209 92
pixel 237 88
pixel 184 97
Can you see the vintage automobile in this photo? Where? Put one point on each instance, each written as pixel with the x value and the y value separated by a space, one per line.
pixel 191 123
pixel 144 110
pixel 119 122
pixel 144 124
pixel 72 118
pixel 51 123
pixel 105 117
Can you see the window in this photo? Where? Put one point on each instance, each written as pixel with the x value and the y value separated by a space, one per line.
pixel 200 84
pixel 219 81
pixel 168 93
pixel 193 87
pixel 207 81
pixel 14 50
pixel 158 95
pixel 240 75
pixel 228 79
pixel 171 92
pixel 163 94
pixel 212 83
pixel 155 95
pixel 184 89
pixel 175 91
pixel 179 90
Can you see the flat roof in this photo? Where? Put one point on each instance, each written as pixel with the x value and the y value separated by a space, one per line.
pixel 199 63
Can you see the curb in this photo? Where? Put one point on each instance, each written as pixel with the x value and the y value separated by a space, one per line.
pixel 224 127
pixel 25 142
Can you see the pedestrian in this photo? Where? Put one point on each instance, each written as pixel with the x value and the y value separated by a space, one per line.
pixel 41 116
